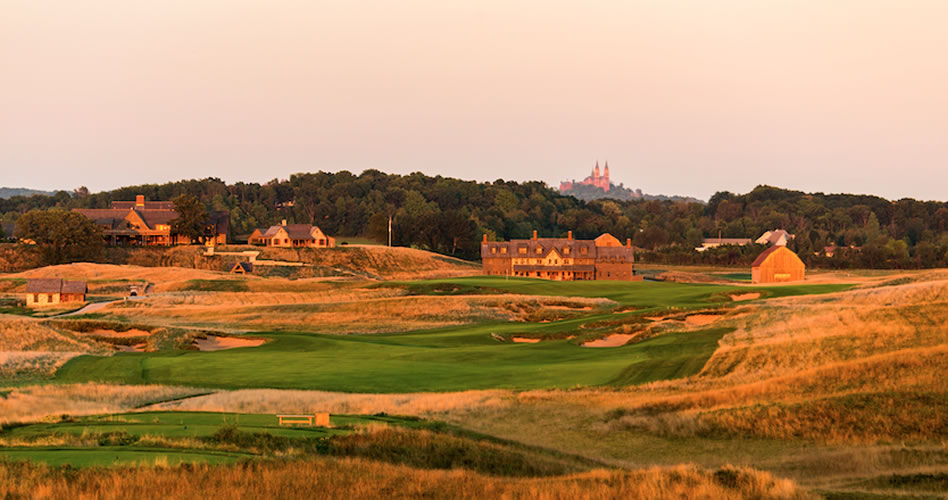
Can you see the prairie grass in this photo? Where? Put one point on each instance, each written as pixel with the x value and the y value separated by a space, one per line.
pixel 35 402
pixel 281 401
pixel 360 478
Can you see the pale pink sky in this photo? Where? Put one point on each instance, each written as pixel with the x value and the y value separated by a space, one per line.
pixel 682 97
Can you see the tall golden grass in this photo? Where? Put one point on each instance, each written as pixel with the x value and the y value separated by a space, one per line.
pixel 282 401
pixel 359 478
pixel 35 402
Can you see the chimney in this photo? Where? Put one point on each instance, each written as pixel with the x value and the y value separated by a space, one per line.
pixel 534 234
pixel 283 222
pixel 569 235
pixel 628 242
pixel 140 200
pixel 485 237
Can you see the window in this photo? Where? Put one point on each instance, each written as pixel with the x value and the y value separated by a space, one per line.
pixel 539 249
pixel 582 250
pixel 493 250
pixel 36 297
pixel 503 250
pixel 565 250
pixel 322 242
pixel 522 250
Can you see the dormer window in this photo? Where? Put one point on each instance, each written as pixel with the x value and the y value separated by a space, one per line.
pixel 503 249
pixel 522 250
pixel 565 250
pixel 539 249
pixel 493 250
pixel 582 250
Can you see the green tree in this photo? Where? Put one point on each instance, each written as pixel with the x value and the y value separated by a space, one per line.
pixel 192 218
pixel 61 236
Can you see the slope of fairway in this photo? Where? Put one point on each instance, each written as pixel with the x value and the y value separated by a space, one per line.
pixel 406 363
pixel 451 358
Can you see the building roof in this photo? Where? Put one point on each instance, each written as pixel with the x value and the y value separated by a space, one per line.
pixel 55 285
pixel 771 237
pixel 294 231
pixel 246 266
pixel 75 287
pixel 44 285
pixel 113 218
pixel 766 253
pixel 148 205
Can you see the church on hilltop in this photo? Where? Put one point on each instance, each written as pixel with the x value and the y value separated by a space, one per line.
pixel 595 180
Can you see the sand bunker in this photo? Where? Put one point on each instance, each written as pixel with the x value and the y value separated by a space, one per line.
pixel 702 319
pixel 614 340
pixel 745 296
pixel 134 332
pixel 526 340
pixel 215 343
pixel 131 348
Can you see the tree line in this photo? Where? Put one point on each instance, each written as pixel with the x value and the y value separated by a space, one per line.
pixel 449 216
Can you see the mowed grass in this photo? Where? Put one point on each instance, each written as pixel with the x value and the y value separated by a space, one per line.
pixel 452 358
pixel 130 438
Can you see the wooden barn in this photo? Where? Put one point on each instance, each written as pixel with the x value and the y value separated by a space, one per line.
pixel 777 264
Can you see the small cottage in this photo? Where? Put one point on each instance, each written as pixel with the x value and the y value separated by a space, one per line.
pixel 292 236
pixel 52 291
pixel 777 264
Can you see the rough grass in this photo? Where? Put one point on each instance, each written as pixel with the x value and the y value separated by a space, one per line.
pixel 360 478
pixel 34 402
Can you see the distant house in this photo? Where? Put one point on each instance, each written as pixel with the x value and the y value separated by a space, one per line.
pixel 720 242
pixel 52 291
pixel 148 223
pixel 292 236
pixel 256 237
pixel 777 264
pixel 777 237
pixel 242 268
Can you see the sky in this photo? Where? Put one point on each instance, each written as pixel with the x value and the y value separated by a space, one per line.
pixel 680 97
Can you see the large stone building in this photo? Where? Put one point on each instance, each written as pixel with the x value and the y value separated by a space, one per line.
pixel 560 259
pixel 594 179
pixel 148 223
pixel 292 236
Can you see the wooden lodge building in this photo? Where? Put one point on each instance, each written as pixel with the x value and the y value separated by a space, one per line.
pixel 148 223
pixel 291 236
pixel 53 291
pixel 777 264
pixel 560 259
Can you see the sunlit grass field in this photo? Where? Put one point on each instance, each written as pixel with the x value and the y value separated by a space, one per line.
pixel 458 357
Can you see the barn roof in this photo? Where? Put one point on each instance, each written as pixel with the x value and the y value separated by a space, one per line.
pixel 75 287
pixel 44 285
pixel 55 285
pixel 763 256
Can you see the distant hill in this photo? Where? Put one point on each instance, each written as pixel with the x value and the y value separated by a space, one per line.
pixel 587 192
pixel 8 192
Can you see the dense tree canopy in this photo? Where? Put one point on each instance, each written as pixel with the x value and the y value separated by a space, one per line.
pixel 61 236
pixel 450 215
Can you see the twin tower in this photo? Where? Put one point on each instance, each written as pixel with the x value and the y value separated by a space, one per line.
pixel 596 180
